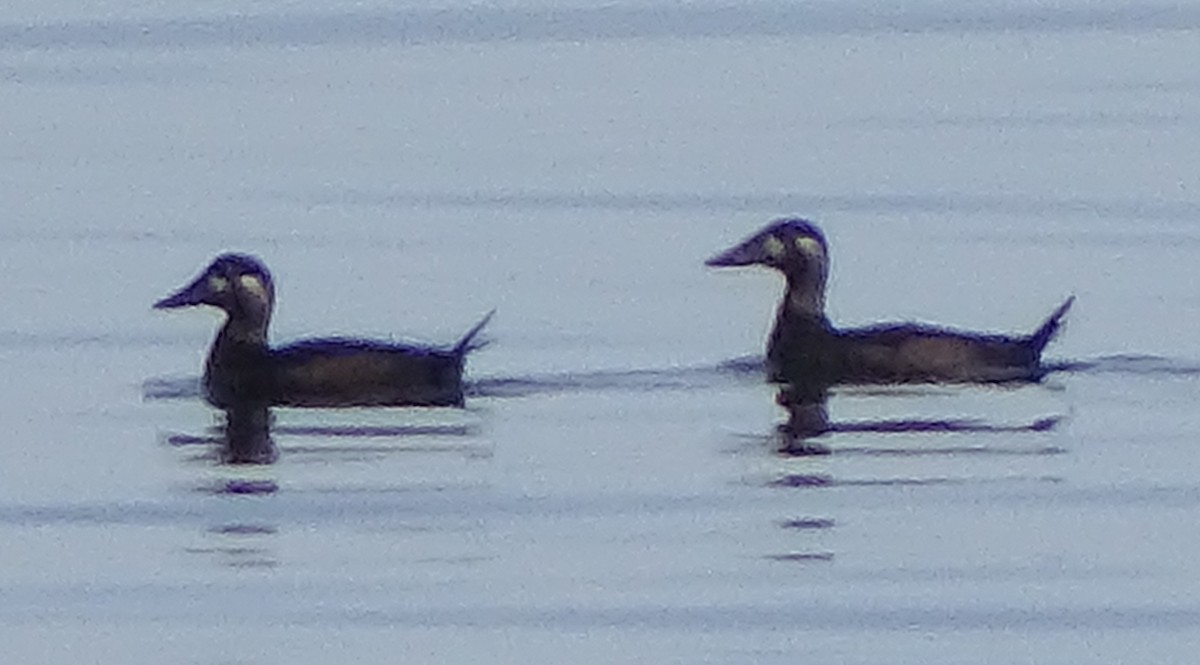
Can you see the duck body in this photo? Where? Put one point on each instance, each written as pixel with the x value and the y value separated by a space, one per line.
pixel 898 353
pixel 242 369
pixel 334 372
pixel 805 347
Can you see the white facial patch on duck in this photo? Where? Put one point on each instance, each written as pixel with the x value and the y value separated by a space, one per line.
pixel 809 246
pixel 773 247
pixel 218 284
pixel 252 285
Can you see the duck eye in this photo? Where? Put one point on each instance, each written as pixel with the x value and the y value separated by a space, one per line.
pixel 808 245
pixel 254 286
pixel 218 284
pixel 773 247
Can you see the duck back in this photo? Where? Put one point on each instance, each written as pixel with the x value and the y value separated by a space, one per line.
pixel 340 372
pixel 807 349
pixel 920 354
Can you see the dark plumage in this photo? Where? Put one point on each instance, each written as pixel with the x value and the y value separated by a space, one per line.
pixel 805 347
pixel 242 369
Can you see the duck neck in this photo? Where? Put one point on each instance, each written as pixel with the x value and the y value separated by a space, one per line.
pixel 800 319
pixel 246 329
pixel 800 341
pixel 240 338
pixel 804 298
pixel 232 373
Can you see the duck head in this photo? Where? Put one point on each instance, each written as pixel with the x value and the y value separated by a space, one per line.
pixel 794 247
pixel 237 284
pixel 787 245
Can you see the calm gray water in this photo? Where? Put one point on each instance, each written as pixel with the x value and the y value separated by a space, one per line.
pixel 613 492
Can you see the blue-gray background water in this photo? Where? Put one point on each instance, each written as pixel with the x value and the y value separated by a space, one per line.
pixel 613 492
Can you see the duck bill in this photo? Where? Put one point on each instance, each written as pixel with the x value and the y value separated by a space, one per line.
pixel 745 254
pixel 195 293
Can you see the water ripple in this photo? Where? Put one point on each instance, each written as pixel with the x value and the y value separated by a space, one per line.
pixel 481 23
pixel 1136 364
pixel 766 202
pixel 707 376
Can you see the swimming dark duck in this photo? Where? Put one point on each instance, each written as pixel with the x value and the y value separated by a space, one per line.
pixel 805 348
pixel 242 369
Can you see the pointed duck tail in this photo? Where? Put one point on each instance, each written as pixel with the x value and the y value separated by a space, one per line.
pixel 468 343
pixel 1042 336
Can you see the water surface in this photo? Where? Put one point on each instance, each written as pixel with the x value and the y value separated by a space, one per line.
pixel 614 491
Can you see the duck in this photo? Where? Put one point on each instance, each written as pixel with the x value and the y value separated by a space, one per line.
pixel 805 348
pixel 243 370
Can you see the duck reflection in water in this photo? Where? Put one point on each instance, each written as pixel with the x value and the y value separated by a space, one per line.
pixel 808 418
pixel 806 354
pixel 244 376
pixel 247 436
